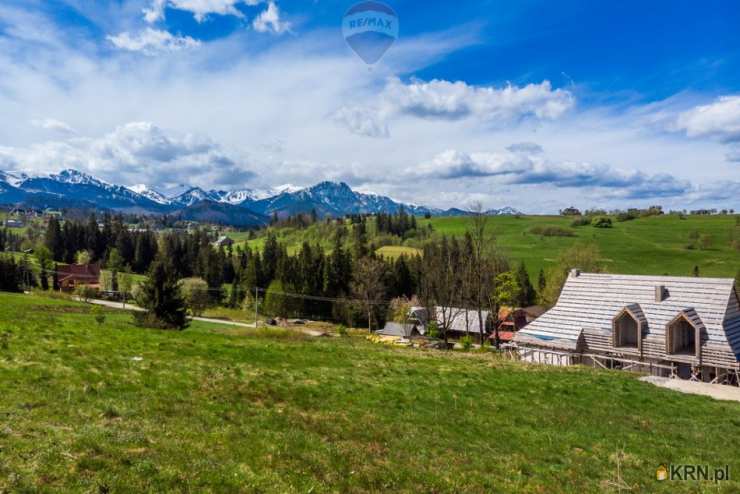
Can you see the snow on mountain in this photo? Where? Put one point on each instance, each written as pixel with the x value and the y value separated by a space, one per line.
pixel 195 195
pixel 326 198
pixel 151 194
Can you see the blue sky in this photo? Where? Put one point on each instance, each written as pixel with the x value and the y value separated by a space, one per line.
pixel 534 104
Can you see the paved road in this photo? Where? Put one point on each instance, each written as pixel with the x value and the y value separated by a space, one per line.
pixel 119 305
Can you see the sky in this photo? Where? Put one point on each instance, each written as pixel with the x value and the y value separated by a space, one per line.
pixel 537 105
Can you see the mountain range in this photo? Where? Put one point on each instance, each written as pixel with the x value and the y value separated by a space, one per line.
pixel 243 208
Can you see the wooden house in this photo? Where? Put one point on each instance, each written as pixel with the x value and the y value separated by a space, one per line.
pixel 670 326
pixel 73 275
pixel 460 322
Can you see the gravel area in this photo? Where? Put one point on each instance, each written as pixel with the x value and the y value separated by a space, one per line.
pixel 716 391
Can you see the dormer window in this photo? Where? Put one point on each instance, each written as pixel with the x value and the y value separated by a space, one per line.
pixel 683 334
pixel 627 328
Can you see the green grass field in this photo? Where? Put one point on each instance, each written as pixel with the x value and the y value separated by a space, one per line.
pixel 115 408
pixel 654 245
pixel 396 251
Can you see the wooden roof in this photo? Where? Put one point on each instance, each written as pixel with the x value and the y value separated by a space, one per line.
pixel 463 320
pixel 589 302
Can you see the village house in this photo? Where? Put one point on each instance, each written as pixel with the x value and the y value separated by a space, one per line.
pixel 668 326
pixel 13 223
pixel 74 275
pixel 223 241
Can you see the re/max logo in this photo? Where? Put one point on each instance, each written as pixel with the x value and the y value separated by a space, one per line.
pixel 371 22
pixel 699 472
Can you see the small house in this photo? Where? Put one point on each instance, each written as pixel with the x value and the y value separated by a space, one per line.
pixel 460 322
pixel 13 223
pixel 72 276
pixel 223 241
pixel 686 327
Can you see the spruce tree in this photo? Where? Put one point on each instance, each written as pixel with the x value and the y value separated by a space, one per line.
pixel 161 297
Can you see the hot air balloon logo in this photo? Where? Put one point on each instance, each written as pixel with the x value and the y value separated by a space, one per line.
pixel 370 28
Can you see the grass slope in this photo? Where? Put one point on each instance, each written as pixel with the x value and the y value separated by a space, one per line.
pixel 654 245
pixel 114 408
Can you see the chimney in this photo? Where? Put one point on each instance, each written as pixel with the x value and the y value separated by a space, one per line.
pixel 575 273
pixel 660 293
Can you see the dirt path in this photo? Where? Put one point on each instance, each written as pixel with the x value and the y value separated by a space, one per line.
pixel 119 305
pixel 716 391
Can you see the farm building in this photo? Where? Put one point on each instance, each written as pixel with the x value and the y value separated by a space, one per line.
pixel 73 275
pixel 670 326
pixel 460 322
pixel 223 241
pixel 400 330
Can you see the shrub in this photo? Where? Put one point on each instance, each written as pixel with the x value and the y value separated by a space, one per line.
pixel 85 292
pixel 467 342
pixel 99 315
pixel 433 330
pixel 342 330
pixel 626 216
pixel 601 222
pixel 551 231
pixel 580 221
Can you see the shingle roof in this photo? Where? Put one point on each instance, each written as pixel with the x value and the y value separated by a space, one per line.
pixel 397 329
pixel 460 322
pixel 590 301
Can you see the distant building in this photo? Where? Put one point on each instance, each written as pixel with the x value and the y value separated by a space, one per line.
pixel 73 275
pixel 14 223
pixel 223 241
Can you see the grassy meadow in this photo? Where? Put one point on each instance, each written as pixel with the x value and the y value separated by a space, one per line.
pixel 655 245
pixel 109 407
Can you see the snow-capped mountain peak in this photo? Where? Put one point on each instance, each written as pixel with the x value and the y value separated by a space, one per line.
pixel 144 190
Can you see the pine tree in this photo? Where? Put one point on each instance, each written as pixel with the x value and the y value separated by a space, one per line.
pixel 526 290
pixel 161 297
pixel 54 240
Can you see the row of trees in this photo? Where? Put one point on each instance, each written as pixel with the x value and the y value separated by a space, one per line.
pixel 134 250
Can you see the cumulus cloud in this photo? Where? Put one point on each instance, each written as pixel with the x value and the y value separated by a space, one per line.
pixel 719 119
pixel 453 164
pixel 519 167
pixel 136 152
pixel 152 41
pixel 361 121
pixel 269 20
pixel 54 125
pixel 457 100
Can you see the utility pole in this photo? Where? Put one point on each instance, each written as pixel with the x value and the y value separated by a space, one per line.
pixel 256 305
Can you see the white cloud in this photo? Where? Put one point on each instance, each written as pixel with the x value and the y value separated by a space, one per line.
pixel 458 100
pixel 155 13
pixel 135 152
pixel 152 41
pixel 719 119
pixel 55 125
pixel 532 168
pixel 361 121
pixel 269 20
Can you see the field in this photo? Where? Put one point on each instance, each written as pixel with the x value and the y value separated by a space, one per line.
pixel 396 251
pixel 655 245
pixel 88 407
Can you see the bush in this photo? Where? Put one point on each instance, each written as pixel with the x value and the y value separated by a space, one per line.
pixel 626 216
pixel 85 292
pixel 99 315
pixel 601 222
pixel 433 330
pixel 580 221
pixel 551 231
pixel 342 330
pixel 467 342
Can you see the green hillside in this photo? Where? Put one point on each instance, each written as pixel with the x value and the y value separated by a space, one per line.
pixel 653 245
pixel 109 407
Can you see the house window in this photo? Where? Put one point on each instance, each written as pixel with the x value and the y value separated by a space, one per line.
pixel 681 337
pixel 626 331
